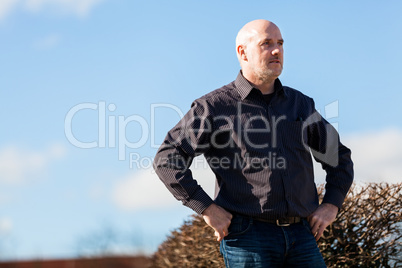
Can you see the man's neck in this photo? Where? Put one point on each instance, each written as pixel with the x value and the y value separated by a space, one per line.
pixel 266 86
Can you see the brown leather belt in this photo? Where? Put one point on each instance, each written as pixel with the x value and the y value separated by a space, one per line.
pixel 281 222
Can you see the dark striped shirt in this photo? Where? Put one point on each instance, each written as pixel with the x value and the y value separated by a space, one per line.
pixel 260 154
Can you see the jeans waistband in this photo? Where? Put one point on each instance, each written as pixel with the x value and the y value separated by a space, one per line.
pixel 286 221
pixel 281 222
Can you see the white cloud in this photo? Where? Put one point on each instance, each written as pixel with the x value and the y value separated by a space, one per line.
pixel 19 165
pixel 143 189
pixel 47 42
pixel 6 225
pixel 76 7
pixel 376 156
pixel 6 7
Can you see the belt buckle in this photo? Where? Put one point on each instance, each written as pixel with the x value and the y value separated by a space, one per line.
pixel 281 224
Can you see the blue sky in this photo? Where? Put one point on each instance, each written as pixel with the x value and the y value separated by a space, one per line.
pixel 129 69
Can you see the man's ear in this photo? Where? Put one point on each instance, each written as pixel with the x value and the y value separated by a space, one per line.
pixel 241 51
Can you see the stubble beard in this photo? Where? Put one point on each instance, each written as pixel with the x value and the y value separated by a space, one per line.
pixel 266 75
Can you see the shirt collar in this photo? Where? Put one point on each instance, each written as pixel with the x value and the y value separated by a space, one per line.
pixel 244 87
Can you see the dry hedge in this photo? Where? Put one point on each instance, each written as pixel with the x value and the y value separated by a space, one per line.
pixel 366 233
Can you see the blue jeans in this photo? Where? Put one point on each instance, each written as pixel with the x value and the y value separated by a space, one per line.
pixel 253 243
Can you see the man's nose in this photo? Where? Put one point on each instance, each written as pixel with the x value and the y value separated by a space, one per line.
pixel 276 51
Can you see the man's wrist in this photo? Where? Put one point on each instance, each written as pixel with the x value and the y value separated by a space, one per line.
pixel 331 206
pixel 208 210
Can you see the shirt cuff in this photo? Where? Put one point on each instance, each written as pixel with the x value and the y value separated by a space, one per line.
pixel 199 202
pixel 334 196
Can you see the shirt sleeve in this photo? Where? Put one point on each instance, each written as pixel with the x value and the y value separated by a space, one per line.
pixel 334 157
pixel 188 139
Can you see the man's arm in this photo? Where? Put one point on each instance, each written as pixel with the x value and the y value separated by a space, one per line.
pixel 335 159
pixel 189 138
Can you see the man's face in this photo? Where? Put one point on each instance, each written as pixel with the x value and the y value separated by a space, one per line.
pixel 265 53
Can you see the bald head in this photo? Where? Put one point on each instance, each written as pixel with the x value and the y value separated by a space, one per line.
pixel 259 47
pixel 251 30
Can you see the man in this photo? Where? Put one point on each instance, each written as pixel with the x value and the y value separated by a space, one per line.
pixel 257 137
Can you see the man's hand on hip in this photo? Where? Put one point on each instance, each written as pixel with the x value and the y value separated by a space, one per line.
pixel 219 219
pixel 323 216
